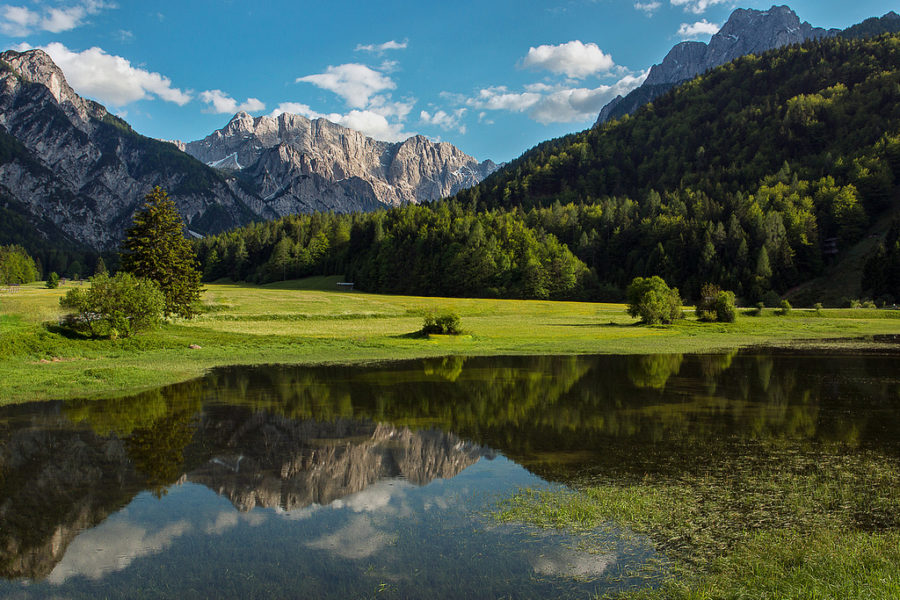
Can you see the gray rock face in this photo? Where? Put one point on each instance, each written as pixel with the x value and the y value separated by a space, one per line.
pixel 298 165
pixel 747 31
pixel 86 171
pixel 306 462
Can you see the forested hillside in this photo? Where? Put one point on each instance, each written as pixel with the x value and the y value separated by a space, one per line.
pixel 750 176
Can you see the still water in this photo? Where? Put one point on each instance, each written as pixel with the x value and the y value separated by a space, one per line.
pixel 379 481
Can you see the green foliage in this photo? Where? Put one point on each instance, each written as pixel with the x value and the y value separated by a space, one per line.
pixel 53 281
pixel 706 305
pixel 760 306
pixel 726 310
pixel 116 306
pixel 155 248
pixel 818 306
pixel 735 178
pixel 784 308
pixel 446 323
pixel 441 250
pixel 881 273
pixel 771 299
pixel 16 266
pixel 653 301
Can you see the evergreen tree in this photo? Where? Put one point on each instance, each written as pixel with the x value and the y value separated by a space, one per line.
pixel 156 248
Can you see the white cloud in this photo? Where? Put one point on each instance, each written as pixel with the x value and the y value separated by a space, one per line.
pixel 367 122
pixel 380 48
pixel 357 540
pixel 221 103
pixel 444 120
pixel 19 21
pixel 647 7
pixel 353 82
pixel 111 547
pixel 700 28
pixel 555 104
pixel 698 7
pixel 108 78
pixel 500 98
pixel 574 59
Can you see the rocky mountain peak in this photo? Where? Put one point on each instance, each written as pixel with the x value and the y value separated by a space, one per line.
pixel 298 164
pixel 747 31
pixel 36 66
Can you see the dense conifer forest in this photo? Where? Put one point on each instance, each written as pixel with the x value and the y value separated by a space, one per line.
pixel 753 177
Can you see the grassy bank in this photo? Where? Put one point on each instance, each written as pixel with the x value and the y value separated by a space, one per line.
pixel 311 322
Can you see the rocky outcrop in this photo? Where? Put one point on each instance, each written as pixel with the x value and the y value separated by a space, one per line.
pixel 71 163
pixel 747 31
pixel 297 165
pixel 280 463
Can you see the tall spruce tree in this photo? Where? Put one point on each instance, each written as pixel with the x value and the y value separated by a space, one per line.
pixel 155 248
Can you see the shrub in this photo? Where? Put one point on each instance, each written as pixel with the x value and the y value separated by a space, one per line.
pixel 726 310
pixel 16 266
pixel 771 299
pixel 447 323
pixel 114 306
pixel 706 305
pixel 653 301
pixel 52 281
pixel 818 307
pixel 785 308
pixel 759 308
pixel 868 304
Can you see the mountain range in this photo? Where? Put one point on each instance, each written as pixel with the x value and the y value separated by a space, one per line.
pixel 73 171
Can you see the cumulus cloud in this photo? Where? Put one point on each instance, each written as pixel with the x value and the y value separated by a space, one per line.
pixel 555 104
pixel 108 78
pixel 353 82
pixel 500 98
pixel 648 7
pixel 381 48
pixel 112 547
pixel 19 21
pixel 357 540
pixel 221 103
pixel 698 29
pixel 367 122
pixel 445 120
pixel 573 59
pixel 698 7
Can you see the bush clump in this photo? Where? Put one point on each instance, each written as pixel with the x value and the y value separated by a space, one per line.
pixel 726 309
pixel 114 307
pixel 653 301
pixel 447 323
pixel 784 308
pixel 52 281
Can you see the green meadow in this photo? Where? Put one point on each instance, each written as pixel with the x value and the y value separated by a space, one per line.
pixel 312 321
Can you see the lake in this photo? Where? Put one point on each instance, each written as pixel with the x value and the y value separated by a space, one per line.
pixel 384 480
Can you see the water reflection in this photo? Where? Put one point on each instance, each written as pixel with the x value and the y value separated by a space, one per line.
pixel 360 460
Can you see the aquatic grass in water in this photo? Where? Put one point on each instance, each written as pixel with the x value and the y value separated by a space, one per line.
pixel 777 520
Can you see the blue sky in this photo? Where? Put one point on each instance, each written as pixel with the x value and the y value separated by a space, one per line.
pixel 492 77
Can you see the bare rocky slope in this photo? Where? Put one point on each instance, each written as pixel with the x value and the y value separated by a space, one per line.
pixel 297 165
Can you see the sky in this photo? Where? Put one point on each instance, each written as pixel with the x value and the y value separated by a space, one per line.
pixel 493 77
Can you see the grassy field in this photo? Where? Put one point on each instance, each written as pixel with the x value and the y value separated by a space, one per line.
pixel 312 322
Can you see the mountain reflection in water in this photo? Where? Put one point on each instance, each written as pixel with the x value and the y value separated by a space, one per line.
pixel 292 439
